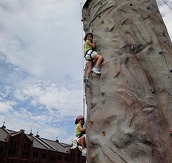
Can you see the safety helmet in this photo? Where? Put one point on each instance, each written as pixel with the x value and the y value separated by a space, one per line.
pixel 79 117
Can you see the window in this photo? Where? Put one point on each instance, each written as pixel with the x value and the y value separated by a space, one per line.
pixel 1 150
pixel 59 157
pixel 52 158
pixel 35 154
pixel 13 145
pixel 44 155
pixel 26 151
pixel 66 158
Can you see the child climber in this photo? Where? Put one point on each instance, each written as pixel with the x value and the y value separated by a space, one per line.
pixel 81 133
pixel 91 56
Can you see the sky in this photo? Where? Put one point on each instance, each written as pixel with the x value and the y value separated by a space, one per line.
pixel 41 65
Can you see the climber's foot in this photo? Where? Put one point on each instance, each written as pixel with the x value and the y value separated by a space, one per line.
pixel 86 81
pixel 96 71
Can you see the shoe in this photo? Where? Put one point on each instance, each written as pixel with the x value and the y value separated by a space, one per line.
pixel 79 147
pixel 86 81
pixel 96 71
pixel 84 151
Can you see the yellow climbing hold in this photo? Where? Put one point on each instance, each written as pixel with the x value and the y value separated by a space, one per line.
pixel 91 122
pixel 104 133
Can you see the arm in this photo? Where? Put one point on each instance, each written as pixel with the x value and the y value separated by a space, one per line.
pixel 92 44
pixel 82 129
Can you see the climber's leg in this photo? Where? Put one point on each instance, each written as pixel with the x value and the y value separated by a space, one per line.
pixel 88 69
pixel 99 60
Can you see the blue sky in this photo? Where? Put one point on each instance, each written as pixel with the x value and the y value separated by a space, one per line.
pixel 41 65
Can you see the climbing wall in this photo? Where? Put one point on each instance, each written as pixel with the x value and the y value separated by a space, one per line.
pixel 129 107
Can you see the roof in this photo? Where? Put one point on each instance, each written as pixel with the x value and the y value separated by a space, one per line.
pixel 38 142
pixel 57 145
pixel 3 134
pixel 47 144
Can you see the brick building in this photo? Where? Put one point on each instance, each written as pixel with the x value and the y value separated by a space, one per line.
pixel 18 147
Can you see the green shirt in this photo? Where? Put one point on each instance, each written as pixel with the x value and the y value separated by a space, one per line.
pixel 78 131
pixel 87 46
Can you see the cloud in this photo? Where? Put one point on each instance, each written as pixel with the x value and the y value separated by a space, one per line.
pixel 5 107
pixel 42 107
pixel 39 37
pixel 41 65
pixel 51 97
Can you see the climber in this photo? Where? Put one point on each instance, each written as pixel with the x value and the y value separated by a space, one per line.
pixel 91 56
pixel 81 133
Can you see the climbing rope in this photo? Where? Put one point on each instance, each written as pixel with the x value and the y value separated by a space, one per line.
pixel 83 61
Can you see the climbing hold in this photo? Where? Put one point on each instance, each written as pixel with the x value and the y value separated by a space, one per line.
pixel 148 7
pixel 103 93
pixel 91 122
pixel 102 22
pixel 160 52
pixel 91 157
pixel 163 33
pixel 104 133
pixel 133 47
pixel 170 70
pixel 131 4
pixel 92 105
pixel 153 90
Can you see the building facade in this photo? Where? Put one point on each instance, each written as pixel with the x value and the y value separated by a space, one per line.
pixel 18 147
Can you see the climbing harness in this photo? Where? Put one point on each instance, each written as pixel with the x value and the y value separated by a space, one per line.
pixel 88 55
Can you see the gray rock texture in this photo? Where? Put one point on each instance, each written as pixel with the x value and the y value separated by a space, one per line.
pixel 129 107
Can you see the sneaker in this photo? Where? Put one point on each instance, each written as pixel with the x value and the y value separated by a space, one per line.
pixel 86 81
pixel 84 151
pixel 80 147
pixel 96 71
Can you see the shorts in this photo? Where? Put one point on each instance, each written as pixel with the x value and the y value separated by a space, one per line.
pixel 80 137
pixel 90 54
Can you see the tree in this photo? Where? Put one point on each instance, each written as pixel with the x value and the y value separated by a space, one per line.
pixel 129 107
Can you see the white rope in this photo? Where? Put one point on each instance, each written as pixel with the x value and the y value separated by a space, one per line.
pixel 83 60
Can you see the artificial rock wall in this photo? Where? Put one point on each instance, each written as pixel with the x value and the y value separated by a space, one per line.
pixel 130 105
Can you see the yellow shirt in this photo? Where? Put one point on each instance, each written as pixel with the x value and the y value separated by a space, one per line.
pixel 86 46
pixel 78 131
